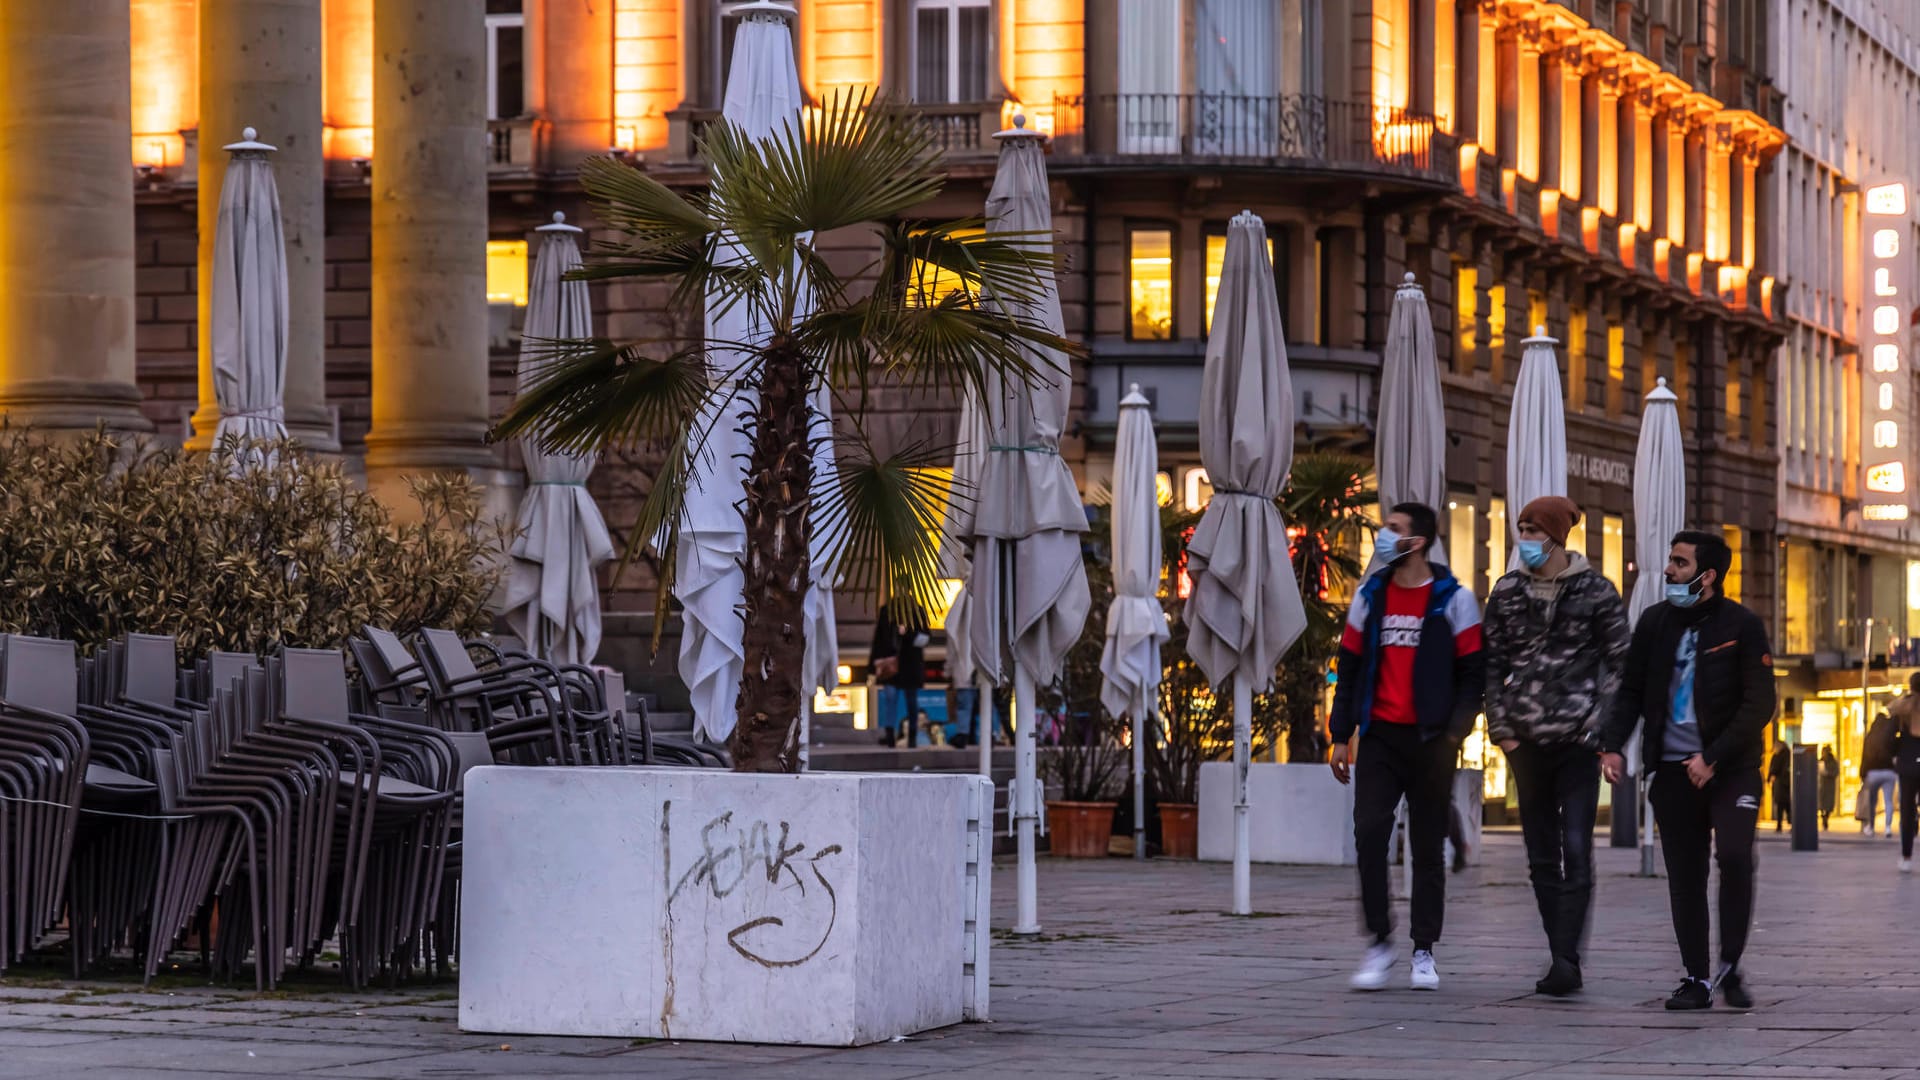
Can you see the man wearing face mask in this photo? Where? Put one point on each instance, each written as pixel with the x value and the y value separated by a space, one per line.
pixel 1409 683
pixel 1556 636
pixel 1700 676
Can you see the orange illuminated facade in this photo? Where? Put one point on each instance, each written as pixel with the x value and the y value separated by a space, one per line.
pixel 166 65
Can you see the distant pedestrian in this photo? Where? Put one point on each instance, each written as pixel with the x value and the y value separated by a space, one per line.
pixel 1829 786
pixel 1879 780
pixel 899 665
pixel 1409 685
pixel 1556 639
pixel 1906 763
pixel 1780 783
pixel 1700 677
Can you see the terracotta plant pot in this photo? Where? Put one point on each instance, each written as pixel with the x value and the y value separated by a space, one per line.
pixel 1079 830
pixel 1179 830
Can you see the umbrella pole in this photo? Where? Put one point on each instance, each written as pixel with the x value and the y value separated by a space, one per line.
pixel 806 729
pixel 983 722
pixel 1025 800
pixel 1242 836
pixel 1139 785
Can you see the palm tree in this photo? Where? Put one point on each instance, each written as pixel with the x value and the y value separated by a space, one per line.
pixel 1325 507
pixel 922 313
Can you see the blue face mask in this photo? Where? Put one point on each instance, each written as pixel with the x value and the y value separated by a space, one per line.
pixel 1533 553
pixel 1684 594
pixel 1386 546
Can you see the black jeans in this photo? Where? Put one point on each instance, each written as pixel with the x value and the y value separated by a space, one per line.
pixel 1909 804
pixel 1392 763
pixel 1723 816
pixel 1559 800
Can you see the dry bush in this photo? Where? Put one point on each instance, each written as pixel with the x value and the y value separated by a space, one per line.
pixel 102 536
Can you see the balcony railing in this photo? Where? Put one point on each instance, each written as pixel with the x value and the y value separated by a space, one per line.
pixel 1286 129
pixel 509 145
pixel 956 130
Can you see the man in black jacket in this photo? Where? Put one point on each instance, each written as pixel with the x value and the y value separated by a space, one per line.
pixel 1700 676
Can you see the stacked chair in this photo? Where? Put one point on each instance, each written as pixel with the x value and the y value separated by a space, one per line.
pixel 279 807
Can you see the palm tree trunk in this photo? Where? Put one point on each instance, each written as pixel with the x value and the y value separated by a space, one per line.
pixel 778 569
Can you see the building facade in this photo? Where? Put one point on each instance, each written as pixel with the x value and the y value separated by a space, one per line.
pixel 1600 169
pixel 1849 542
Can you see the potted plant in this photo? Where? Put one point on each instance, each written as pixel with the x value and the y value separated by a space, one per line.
pixel 1086 760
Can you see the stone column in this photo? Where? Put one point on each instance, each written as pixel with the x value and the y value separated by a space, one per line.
pixel 430 408
pixel 66 217
pixel 260 67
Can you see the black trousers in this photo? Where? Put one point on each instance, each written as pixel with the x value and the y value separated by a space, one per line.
pixel 1722 817
pixel 1393 763
pixel 1559 800
pixel 1909 804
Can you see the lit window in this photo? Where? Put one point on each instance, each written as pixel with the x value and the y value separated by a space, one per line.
pixel 1613 551
pixel 1217 258
pixel 507 272
pixel 1577 359
pixel 1460 542
pixel 1886 243
pixel 1466 317
pixel 1150 284
pixel 1497 536
pixel 1886 358
pixel 1497 330
pixel 1887 199
pixel 1886 319
pixel 506 67
pixel 1616 368
pixel 1577 538
pixel 1735 538
pixel 929 283
pixel 950 50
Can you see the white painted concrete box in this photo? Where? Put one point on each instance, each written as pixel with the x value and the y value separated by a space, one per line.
pixel 828 909
pixel 1298 814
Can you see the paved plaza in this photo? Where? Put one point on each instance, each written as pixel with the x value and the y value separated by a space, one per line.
pixel 1138 975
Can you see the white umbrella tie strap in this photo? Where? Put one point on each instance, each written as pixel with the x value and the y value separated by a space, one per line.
pixel 557 483
pixel 1240 493
pixel 1054 450
pixel 276 414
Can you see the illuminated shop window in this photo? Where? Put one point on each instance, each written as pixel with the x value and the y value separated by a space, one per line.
pixel 1217 258
pixel 507 272
pixel 1613 551
pixel 1150 284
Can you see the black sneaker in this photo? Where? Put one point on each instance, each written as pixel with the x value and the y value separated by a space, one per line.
pixel 1692 994
pixel 1733 990
pixel 1562 978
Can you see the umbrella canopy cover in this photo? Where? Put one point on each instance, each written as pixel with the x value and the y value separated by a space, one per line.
pixel 553 599
pixel 1023 492
pixel 1410 436
pixel 1659 495
pixel 1244 610
pixel 1536 433
pixel 1136 625
pixel 763 96
pixel 247 333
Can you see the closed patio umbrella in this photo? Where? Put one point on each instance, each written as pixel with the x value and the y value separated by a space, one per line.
pixel 1136 625
pixel 1030 591
pixel 247 333
pixel 1410 435
pixel 1659 511
pixel 553 600
pixel 762 96
pixel 1244 610
pixel 1536 433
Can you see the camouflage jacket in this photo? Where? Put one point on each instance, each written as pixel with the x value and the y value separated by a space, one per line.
pixel 1553 666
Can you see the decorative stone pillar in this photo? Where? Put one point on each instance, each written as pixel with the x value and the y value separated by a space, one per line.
pixel 430 409
pixel 260 67
pixel 66 218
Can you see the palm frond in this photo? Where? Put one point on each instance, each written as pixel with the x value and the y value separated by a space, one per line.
pixel 589 393
pixel 880 520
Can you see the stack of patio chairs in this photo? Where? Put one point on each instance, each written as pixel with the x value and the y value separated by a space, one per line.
pixel 43 766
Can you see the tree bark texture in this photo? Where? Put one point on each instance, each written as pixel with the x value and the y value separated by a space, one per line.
pixel 778 568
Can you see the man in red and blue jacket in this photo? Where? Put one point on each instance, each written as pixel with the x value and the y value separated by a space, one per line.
pixel 1409 685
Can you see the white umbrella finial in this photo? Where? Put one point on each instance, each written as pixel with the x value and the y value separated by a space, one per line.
pixel 559 225
pixel 1019 130
pixel 249 141
pixel 1134 398
pixel 1660 391
pixel 1408 284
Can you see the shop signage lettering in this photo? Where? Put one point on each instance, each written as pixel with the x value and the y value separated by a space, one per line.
pixel 1603 470
pixel 1884 401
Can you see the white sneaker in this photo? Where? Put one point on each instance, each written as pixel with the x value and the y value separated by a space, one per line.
pixel 1374 968
pixel 1906 866
pixel 1425 975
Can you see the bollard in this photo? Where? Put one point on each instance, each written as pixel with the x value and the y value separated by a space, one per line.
pixel 1624 832
pixel 1804 816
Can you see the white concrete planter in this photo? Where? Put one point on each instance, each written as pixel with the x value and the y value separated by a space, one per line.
pixel 828 909
pixel 1299 814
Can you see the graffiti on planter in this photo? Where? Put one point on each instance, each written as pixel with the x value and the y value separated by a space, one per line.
pixel 778 886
